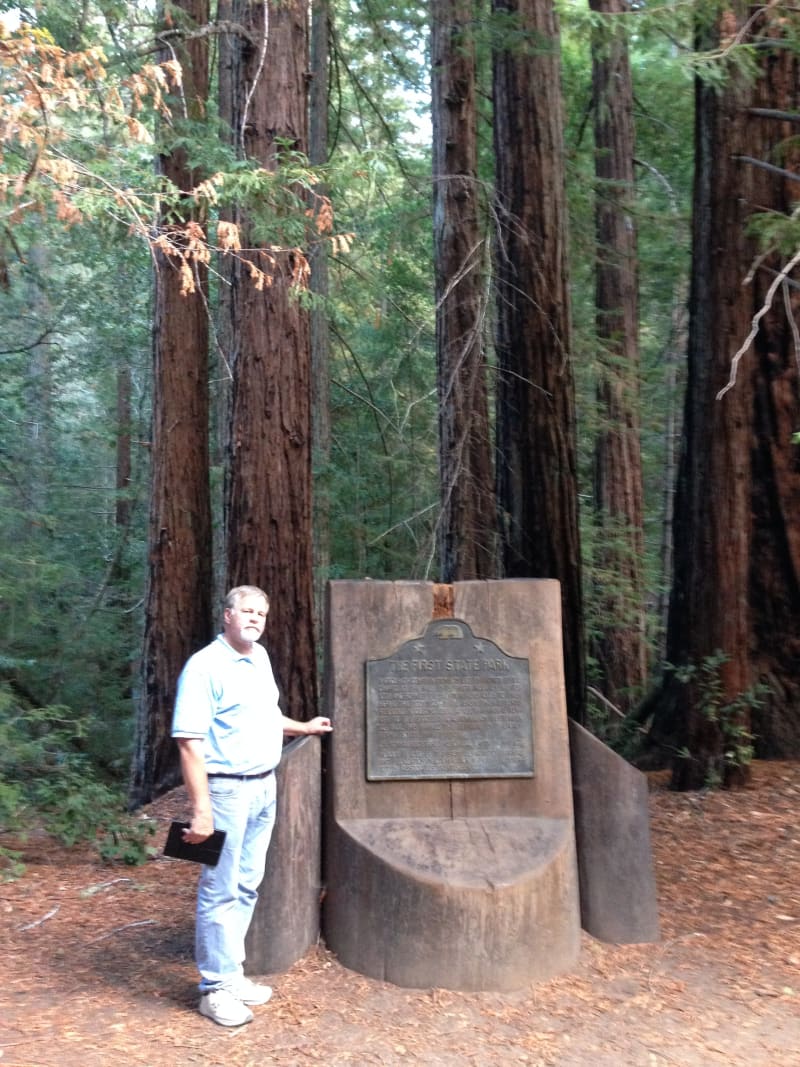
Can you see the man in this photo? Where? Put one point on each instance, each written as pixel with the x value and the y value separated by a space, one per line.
pixel 229 730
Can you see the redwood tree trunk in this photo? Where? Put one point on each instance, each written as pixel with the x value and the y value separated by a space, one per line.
pixel 320 333
pixel 711 526
pixel 673 360
pixel 466 528
pixel 735 588
pixel 178 608
pixel 620 648
pixel 536 450
pixel 775 548
pixel 268 495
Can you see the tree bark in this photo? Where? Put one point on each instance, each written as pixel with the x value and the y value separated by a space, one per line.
pixel 536 449
pixel 673 359
pixel 620 649
pixel 268 493
pixel 228 93
pixel 178 607
pixel 737 552
pixel 467 522
pixel 774 591
pixel 708 601
pixel 320 333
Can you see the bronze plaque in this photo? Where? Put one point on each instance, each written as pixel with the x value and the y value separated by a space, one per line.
pixel 449 705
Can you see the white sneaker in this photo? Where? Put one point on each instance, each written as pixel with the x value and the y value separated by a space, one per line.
pixel 224 1008
pixel 250 992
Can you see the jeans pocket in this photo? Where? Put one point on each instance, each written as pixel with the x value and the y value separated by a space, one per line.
pixel 222 789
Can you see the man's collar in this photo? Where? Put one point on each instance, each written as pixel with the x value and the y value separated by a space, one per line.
pixel 234 653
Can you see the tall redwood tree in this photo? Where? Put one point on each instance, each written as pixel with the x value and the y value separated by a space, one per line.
pixel 264 84
pixel 537 486
pixel 178 609
pixel 619 648
pixel 467 523
pixel 321 17
pixel 774 571
pixel 735 595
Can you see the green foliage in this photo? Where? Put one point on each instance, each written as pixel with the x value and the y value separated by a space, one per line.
pixel 73 130
pixel 276 201
pixel 381 480
pixel 776 232
pixel 503 31
pixel 73 318
pixel 728 715
pixel 47 781
pixel 70 568
pixel 663 115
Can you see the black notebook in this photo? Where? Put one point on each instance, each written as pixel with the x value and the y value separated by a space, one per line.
pixel 207 851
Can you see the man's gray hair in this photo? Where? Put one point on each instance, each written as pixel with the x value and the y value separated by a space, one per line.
pixel 241 591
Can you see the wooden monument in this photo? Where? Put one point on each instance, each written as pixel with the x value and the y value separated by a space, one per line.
pixel 449 840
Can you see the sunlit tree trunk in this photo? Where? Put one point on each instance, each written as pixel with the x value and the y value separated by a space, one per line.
pixel 536 451
pixel 178 607
pixel 467 522
pixel 620 648
pixel 268 494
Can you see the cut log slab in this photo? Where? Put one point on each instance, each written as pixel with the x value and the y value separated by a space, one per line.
pixel 619 903
pixel 286 919
pixel 470 904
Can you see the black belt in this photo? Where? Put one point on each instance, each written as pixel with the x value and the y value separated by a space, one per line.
pixel 241 777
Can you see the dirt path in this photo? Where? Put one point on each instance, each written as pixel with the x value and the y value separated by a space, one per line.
pixel 98 970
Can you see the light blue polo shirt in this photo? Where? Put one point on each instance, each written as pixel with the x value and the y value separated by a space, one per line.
pixel 231 701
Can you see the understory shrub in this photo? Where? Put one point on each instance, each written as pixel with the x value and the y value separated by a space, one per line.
pixel 47 782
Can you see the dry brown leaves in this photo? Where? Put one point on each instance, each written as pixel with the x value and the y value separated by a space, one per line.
pixel 98 967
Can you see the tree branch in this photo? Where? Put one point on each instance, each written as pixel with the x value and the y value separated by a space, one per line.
pixel 40 340
pixel 759 315
pixel 771 113
pixel 261 60
pixel 211 29
pixel 788 174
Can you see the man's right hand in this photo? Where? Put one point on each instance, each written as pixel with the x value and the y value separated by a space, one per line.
pixel 196 780
pixel 201 827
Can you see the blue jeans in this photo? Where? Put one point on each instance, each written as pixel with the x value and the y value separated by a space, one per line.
pixel 227 893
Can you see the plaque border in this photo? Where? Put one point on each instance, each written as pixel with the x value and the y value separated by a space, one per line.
pixel 436 775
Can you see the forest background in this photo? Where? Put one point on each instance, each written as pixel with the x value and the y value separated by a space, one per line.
pixel 300 291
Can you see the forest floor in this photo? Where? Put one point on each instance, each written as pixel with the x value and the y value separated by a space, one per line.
pixel 98 967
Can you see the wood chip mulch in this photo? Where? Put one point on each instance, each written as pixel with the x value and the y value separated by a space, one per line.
pixel 97 966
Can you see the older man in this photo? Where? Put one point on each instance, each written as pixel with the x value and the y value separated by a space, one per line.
pixel 229 729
